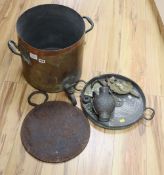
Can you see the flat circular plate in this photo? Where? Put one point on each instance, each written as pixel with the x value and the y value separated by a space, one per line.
pixel 123 116
pixel 55 132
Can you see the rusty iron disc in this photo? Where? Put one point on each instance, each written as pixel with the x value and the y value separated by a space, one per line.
pixel 55 132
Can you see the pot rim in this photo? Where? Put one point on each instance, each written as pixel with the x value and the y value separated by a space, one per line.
pixel 44 51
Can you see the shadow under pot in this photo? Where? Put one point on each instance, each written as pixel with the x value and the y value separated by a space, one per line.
pixel 50 43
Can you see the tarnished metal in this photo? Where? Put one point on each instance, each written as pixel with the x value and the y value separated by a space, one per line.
pixel 60 67
pixel 128 109
pixel 51 38
pixel 121 87
pixel 104 104
pixel 55 132
pixel 71 88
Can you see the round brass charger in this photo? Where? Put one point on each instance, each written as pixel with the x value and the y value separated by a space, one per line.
pixel 55 132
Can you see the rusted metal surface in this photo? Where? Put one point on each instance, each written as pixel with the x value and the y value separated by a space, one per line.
pixel 55 132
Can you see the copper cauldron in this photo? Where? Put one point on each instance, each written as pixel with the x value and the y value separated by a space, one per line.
pixel 50 43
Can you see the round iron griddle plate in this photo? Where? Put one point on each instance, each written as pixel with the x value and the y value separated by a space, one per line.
pixel 122 117
pixel 55 132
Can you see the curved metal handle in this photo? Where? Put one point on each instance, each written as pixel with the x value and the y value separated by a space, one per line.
pixel 90 22
pixel 34 93
pixel 13 47
pixel 151 115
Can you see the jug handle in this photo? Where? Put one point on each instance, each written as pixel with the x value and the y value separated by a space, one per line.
pixel 90 22
pixel 13 47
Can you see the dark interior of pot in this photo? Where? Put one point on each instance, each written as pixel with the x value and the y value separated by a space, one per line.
pixel 50 27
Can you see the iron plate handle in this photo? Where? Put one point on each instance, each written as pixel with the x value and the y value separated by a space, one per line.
pixel 151 116
pixel 34 93
pixel 90 22
pixel 13 47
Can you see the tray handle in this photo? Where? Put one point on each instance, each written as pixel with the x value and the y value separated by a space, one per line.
pixel 150 113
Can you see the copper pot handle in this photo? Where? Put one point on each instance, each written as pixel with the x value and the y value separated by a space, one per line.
pixel 90 22
pixel 13 47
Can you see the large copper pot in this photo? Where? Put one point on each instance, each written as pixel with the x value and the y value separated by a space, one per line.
pixel 50 43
